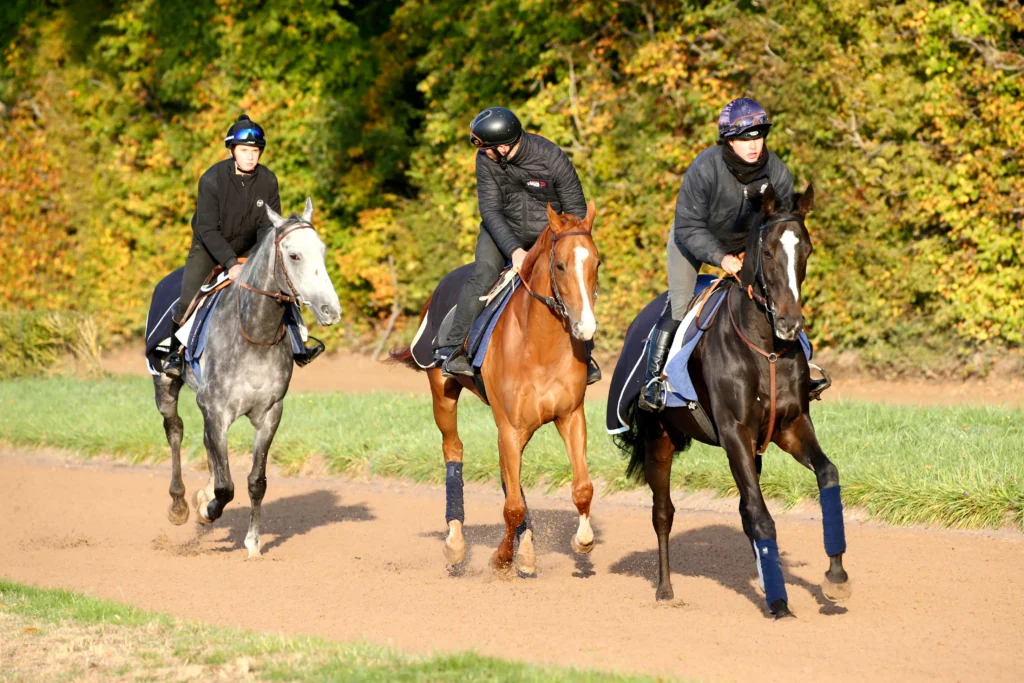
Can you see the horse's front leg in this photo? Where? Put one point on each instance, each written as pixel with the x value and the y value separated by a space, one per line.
pixel 799 440
pixel 215 437
pixel 510 456
pixel 739 444
pixel 266 427
pixel 167 390
pixel 573 428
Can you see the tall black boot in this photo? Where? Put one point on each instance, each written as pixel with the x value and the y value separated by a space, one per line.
pixel 652 396
pixel 593 370
pixel 174 364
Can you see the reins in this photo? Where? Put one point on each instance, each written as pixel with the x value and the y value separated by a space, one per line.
pixel 555 302
pixel 279 296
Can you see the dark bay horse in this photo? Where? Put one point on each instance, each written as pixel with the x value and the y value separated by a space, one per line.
pixel 534 372
pixel 247 364
pixel 750 372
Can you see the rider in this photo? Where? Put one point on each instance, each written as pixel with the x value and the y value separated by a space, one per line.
pixel 713 205
pixel 230 217
pixel 517 174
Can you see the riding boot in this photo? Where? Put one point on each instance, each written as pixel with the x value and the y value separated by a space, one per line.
pixel 174 364
pixel 454 361
pixel 652 396
pixel 593 370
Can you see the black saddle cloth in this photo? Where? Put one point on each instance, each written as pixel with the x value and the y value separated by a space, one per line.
pixel 158 322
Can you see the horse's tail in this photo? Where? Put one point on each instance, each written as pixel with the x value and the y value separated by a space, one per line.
pixel 403 355
pixel 643 426
pixel 631 443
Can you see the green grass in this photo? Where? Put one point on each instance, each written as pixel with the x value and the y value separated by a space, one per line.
pixel 38 622
pixel 961 467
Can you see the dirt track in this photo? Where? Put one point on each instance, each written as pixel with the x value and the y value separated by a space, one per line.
pixel 350 560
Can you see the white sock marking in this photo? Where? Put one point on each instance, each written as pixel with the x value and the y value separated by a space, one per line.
pixel 789 241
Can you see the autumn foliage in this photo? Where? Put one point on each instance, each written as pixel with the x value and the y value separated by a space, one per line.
pixel 908 117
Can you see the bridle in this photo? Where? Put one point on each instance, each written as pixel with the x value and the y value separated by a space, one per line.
pixel 555 303
pixel 764 299
pixel 278 296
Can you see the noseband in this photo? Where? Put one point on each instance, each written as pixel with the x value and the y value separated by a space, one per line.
pixel 278 296
pixel 555 303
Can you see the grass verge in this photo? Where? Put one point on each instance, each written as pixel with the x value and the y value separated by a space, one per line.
pixel 955 466
pixel 58 635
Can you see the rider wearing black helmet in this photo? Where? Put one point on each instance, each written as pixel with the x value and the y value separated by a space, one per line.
pixel 230 217
pixel 518 174
pixel 715 203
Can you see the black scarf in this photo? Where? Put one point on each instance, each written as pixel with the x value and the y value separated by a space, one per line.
pixel 744 172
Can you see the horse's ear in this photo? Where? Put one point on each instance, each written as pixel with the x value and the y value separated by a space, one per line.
pixel 554 220
pixel 806 201
pixel 588 222
pixel 275 217
pixel 307 213
pixel 768 200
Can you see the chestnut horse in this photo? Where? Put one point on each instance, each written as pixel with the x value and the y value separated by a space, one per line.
pixel 534 372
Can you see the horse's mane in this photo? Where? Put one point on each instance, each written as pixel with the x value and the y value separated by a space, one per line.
pixel 539 248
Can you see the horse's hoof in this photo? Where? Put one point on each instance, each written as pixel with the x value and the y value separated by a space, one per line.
pixel 526 556
pixel 177 513
pixel 836 592
pixel 579 548
pixel 202 502
pixel 780 610
pixel 455 544
pixel 503 569
pixel 665 593
pixel 254 552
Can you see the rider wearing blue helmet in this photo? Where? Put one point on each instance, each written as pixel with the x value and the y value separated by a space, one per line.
pixel 715 203
pixel 230 217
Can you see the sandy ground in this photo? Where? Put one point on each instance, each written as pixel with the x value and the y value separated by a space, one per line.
pixel 343 371
pixel 362 560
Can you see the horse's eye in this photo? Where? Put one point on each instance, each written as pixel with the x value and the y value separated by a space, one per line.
pixel 768 254
pixel 294 257
pixel 561 267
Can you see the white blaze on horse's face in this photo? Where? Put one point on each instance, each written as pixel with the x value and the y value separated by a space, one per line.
pixel 789 241
pixel 586 327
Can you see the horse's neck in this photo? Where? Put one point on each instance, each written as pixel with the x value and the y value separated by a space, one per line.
pixel 261 314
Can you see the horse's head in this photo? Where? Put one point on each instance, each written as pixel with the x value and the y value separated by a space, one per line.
pixel 299 267
pixel 776 261
pixel 574 262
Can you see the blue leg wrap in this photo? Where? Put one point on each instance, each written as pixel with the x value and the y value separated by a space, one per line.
pixel 454 506
pixel 770 570
pixel 832 521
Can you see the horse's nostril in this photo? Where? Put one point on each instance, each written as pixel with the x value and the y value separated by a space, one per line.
pixel 325 309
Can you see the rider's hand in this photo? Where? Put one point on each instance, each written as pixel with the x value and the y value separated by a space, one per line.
pixel 234 272
pixel 731 264
pixel 518 256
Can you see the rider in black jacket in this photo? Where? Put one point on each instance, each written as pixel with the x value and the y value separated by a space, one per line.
pixel 715 203
pixel 230 217
pixel 518 174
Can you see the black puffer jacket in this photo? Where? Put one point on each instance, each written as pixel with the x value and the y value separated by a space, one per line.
pixel 712 204
pixel 230 212
pixel 514 200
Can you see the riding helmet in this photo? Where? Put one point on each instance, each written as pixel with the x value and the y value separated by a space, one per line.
pixel 743 118
pixel 245 131
pixel 495 126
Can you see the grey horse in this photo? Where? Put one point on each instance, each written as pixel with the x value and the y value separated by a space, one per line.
pixel 247 364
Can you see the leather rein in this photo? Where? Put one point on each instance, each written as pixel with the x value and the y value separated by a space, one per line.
pixel 278 296
pixel 555 302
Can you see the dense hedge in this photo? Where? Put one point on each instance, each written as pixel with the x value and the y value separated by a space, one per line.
pixel 908 117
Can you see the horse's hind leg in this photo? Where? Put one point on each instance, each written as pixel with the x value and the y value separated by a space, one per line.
pixel 166 390
pixel 573 429
pixel 215 437
pixel 739 445
pixel 659 451
pixel 445 393
pixel 266 427
pixel 799 440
